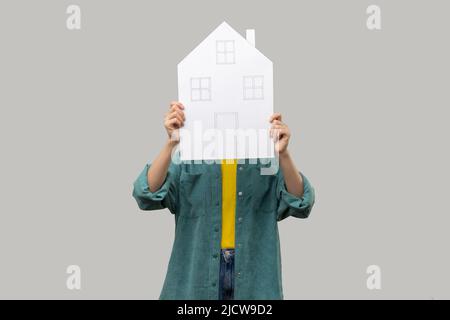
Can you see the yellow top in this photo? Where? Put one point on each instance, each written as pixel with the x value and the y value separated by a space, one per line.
pixel 228 202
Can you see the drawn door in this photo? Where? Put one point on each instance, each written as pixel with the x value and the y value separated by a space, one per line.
pixel 226 124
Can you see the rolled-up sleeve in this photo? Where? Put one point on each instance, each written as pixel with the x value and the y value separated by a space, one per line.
pixel 165 197
pixel 290 205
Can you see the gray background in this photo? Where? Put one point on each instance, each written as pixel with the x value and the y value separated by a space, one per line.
pixel 81 113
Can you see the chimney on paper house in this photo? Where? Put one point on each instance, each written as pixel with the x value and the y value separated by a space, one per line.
pixel 250 36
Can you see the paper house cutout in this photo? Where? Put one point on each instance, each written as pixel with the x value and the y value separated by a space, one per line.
pixel 226 85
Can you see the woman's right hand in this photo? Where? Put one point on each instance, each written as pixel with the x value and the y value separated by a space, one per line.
pixel 174 120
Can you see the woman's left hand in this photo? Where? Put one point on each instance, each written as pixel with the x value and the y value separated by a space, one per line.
pixel 280 132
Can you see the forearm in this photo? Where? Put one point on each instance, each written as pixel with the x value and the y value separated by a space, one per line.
pixel 158 171
pixel 292 178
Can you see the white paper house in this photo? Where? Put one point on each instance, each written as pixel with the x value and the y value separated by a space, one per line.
pixel 226 84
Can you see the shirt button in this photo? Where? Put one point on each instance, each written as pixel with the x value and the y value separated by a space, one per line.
pixel 240 168
pixel 240 219
pixel 240 193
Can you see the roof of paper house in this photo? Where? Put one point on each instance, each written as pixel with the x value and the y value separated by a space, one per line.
pixel 224 27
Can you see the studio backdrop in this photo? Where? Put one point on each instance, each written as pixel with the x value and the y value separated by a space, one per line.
pixel 363 85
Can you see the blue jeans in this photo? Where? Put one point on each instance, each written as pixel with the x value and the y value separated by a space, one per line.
pixel 226 276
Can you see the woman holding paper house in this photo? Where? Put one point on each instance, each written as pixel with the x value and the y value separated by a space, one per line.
pixel 226 239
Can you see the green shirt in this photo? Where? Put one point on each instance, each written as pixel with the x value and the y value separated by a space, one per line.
pixel 192 192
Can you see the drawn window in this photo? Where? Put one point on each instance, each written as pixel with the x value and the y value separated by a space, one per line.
pixel 225 53
pixel 254 88
pixel 200 89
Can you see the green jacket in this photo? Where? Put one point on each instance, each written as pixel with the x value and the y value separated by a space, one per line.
pixel 193 193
